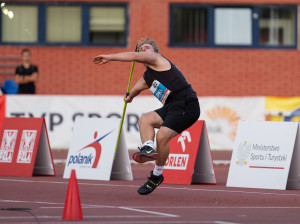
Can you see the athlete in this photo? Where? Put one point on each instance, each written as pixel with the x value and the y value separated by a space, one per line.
pixel 180 108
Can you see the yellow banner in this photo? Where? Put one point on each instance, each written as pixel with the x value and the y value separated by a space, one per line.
pixel 282 103
pixel 283 108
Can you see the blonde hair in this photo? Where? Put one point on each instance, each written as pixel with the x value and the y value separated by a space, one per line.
pixel 147 40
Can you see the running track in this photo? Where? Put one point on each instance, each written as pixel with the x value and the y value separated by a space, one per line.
pixel 118 201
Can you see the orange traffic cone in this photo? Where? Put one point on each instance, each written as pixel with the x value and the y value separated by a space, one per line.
pixel 72 210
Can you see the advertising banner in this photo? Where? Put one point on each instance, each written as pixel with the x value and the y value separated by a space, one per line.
pixel 220 113
pixel 93 149
pixel 283 108
pixel 24 148
pixel 60 113
pixel 190 158
pixel 262 154
pixel 2 108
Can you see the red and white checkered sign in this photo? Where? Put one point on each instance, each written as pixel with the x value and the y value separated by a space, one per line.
pixel 25 148
pixel 8 145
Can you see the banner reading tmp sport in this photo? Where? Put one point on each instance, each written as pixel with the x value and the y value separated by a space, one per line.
pixel 60 113
pixel 220 113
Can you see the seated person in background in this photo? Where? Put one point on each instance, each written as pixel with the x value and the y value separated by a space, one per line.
pixel 26 74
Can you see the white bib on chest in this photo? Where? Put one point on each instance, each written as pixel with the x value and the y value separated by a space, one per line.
pixel 159 91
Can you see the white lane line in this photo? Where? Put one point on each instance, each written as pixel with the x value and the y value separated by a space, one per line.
pixel 161 187
pixel 82 206
pixel 35 181
pixel 221 162
pixel 94 206
pixel 85 216
pixel 180 207
pixel 55 203
pixel 59 161
pixel 228 191
pixel 125 222
pixel 221 222
pixel 160 221
pixel 151 212
pixel 212 207
pixel 35 202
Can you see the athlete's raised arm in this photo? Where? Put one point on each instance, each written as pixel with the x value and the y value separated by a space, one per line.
pixel 150 58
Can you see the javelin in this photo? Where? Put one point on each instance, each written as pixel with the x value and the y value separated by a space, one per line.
pixel 125 104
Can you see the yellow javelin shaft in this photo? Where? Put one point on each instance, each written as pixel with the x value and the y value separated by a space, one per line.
pixel 125 106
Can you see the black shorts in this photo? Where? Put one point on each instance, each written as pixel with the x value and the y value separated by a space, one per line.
pixel 180 114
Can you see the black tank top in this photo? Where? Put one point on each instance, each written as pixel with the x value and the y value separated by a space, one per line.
pixel 173 80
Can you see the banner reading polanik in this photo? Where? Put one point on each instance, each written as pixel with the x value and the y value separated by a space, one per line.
pixel 93 147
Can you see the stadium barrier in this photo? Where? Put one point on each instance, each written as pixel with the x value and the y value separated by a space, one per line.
pixel 25 148
pixel 220 113
pixel 93 154
pixel 190 159
pixel 266 155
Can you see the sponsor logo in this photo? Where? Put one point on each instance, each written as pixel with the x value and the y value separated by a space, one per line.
pixel 243 153
pixel 292 116
pixel 249 153
pixel 8 145
pixel 185 135
pixel 87 158
pixel 177 162
pixel 224 120
pixel 26 146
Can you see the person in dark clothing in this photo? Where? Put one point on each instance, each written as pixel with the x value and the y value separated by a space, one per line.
pixel 26 74
pixel 180 108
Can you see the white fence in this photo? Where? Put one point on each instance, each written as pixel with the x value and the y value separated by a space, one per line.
pixel 220 113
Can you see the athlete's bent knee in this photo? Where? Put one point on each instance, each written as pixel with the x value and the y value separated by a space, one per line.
pixel 161 138
pixel 141 121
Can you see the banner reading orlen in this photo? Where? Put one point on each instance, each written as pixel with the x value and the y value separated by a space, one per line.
pixel 179 167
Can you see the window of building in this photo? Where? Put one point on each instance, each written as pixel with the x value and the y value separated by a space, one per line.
pixel 190 25
pixel 19 24
pixel 63 24
pixel 277 26
pixel 233 26
pixel 252 26
pixel 107 24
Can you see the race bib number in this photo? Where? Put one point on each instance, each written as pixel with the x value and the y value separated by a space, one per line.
pixel 159 91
